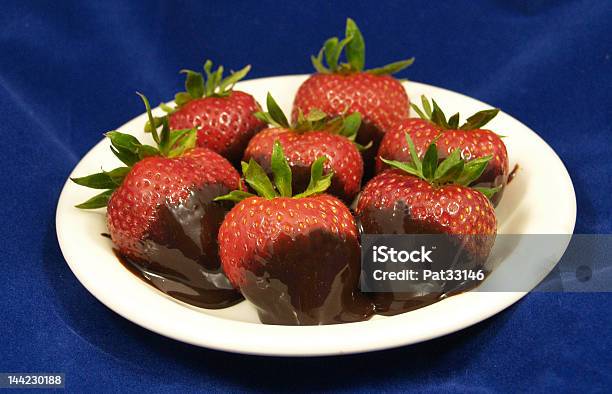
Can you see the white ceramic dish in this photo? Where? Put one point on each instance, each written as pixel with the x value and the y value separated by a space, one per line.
pixel 540 200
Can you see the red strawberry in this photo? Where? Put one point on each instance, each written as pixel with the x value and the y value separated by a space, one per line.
pixel 297 259
pixel 311 137
pixel 424 197
pixel 474 142
pixel 429 197
pixel 160 209
pixel 375 94
pixel 223 117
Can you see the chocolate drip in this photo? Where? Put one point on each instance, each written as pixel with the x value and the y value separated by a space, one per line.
pixel 180 252
pixel 309 279
pixel 513 173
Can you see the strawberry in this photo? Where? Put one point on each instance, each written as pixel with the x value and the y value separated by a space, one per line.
pixel 297 259
pixel 428 197
pixel 473 141
pixel 346 87
pixel 223 116
pixel 310 137
pixel 160 208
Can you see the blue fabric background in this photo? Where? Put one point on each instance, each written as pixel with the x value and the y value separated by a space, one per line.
pixel 68 72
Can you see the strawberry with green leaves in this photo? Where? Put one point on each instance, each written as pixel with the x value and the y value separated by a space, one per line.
pixel 143 196
pixel 431 197
pixel 473 142
pixel 296 257
pixel 346 87
pixel 308 138
pixel 222 116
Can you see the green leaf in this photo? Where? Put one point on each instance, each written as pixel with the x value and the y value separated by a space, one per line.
pixel 350 125
pixel 315 115
pixel 418 111
pixel 333 50
pixel 128 149
pixel 148 128
pixel 181 141
pixel 331 54
pixel 451 174
pixel 128 158
pixel 235 195
pixel 316 120
pixel 438 117
pixel 213 79
pixel 229 82
pixel 489 192
pixel 97 201
pixel 147 151
pixel 479 119
pixel 392 68
pixel 406 167
pixel 104 179
pixel 124 141
pixel 276 112
pixel 426 106
pixel 453 121
pixel 166 108
pixel 318 182
pixel 217 77
pixel 472 170
pixel 448 168
pixel 355 48
pixel 209 76
pixel 281 170
pixel 413 154
pixel 265 117
pixel 181 98
pixel 194 83
pixel 244 166
pixel 317 63
pixel 164 137
pixel 256 177
pixel 300 117
pixel 430 162
pixel 150 116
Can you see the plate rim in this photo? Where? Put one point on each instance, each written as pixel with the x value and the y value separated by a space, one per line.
pixel 489 303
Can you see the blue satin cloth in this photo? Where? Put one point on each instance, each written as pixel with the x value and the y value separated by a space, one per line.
pixel 68 73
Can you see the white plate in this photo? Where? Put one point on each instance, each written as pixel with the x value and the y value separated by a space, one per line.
pixel 540 200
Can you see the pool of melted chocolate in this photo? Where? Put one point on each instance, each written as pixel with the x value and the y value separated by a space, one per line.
pixel 298 284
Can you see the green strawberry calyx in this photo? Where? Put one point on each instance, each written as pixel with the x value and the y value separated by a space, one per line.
pixel 353 46
pixel 259 181
pixel 197 86
pixel 344 125
pixel 214 85
pixel 129 150
pixel 452 170
pixel 433 113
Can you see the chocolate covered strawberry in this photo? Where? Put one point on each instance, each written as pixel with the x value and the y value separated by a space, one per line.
pixel 431 197
pixel 222 116
pixel 161 214
pixel 295 257
pixel 347 87
pixel 308 138
pixel 472 141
